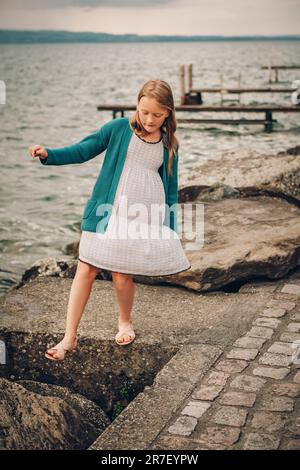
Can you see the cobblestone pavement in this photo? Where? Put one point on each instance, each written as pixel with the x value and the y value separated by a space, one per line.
pixel 249 399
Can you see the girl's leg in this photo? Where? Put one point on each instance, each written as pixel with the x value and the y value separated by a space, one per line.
pixel 125 289
pixel 79 295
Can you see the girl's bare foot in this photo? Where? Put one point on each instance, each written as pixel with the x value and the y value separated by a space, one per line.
pixel 60 350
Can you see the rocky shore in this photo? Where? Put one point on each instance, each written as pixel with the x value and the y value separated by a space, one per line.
pixel 184 323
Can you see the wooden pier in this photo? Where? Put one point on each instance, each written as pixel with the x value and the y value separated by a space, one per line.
pixel 276 68
pixel 267 121
pixel 195 95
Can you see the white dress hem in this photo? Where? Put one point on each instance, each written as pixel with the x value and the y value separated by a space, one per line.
pixel 137 274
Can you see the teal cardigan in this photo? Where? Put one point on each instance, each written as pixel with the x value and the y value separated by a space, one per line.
pixel 114 137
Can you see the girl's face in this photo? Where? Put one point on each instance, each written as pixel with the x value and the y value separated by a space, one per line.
pixel 151 114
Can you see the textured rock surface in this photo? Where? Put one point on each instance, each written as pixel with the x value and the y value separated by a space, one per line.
pixel 244 168
pixel 87 408
pixel 34 420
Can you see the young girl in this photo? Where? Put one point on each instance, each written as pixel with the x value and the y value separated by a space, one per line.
pixel 140 168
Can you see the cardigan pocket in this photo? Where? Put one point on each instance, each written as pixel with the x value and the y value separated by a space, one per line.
pixel 89 207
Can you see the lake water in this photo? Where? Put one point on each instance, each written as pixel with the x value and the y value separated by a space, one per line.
pixel 52 94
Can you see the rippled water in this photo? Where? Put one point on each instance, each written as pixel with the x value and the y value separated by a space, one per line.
pixel 52 94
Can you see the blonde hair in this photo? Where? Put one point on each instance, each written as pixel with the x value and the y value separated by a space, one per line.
pixel 161 91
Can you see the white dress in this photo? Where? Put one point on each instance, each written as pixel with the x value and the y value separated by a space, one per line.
pixel 137 242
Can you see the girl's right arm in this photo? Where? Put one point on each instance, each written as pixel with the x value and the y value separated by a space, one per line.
pixel 85 150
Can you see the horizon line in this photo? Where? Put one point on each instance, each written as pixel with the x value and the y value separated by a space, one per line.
pixel 9 30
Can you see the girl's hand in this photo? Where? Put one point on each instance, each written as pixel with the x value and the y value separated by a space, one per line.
pixel 38 151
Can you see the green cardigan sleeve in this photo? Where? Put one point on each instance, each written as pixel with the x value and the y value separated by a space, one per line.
pixel 173 193
pixel 88 148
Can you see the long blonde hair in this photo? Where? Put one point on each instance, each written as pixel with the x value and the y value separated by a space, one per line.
pixel 161 91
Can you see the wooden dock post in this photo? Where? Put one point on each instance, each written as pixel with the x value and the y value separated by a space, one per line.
pixel 191 97
pixel 182 84
pixel 239 86
pixel 269 121
pixel 190 78
pixel 221 88
pixel 270 73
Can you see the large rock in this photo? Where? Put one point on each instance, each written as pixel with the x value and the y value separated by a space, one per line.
pixel 62 267
pixel 246 168
pixel 87 408
pixel 37 420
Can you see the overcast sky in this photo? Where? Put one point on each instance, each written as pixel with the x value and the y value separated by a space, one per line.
pixel 182 17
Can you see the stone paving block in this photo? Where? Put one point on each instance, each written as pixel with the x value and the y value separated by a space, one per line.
pixel 293 289
pixel 196 408
pixel 210 446
pixel 207 392
pixel 271 372
pixel 290 337
pixel 297 378
pixel 268 422
pixel 248 383
pixel 294 327
pixel 255 441
pixel 274 312
pixel 184 443
pixel 269 403
pixel 271 359
pixel 281 303
pixel 183 426
pixel 295 316
pixel 238 399
pixel 231 366
pixel 242 353
pixel 175 443
pixel 281 348
pixel 267 322
pixel 217 378
pixel 221 435
pixel 285 389
pixel 260 332
pixel 230 416
pixel 249 342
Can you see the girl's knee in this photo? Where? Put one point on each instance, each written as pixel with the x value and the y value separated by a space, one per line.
pixel 121 280
pixel 87 270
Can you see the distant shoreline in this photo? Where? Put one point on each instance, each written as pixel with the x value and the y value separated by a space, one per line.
pixel 8 36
